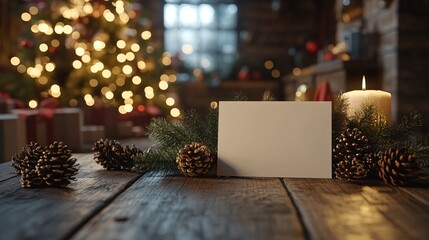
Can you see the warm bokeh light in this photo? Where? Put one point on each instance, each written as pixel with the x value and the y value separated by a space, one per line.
pixel 146 35
pixel 127 69
pixel 135 47
pixel 33 10
pixel 130 56
pixel 50 67
pixel 25 16
pixel 121 109
pixel 106 73
pixel 93 82
pixel 99 45
pixel 213 105
pixel 170 101
pixel 43 47
pixel 296 71
pixel 32 104
pixel 77 64
pixel 15 61
pixel 164 77
pixel 55 43
pixel 128 107
pixel 163 85
pixel 275 73
pixel 108 15
pixel 109 95
pixel 175 112
pixel 42 80
pixel 136 80
pixel 121 58
pixel 166 60
pixel 67 29
pixel 80 51
pixel 120 82
pixel 141 65
pixel 269 64
pixel 121 44
pixel 86 58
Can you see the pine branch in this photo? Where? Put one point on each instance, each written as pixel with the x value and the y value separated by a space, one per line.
pixel 170 137
pixel 339 116
pixel 153 159
pixel 195 127
pixel 239 96
pixel 211 133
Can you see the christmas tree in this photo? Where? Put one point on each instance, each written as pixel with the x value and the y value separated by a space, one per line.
pixel 83 52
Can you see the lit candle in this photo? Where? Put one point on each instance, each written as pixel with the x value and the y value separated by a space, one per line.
pixel 380 99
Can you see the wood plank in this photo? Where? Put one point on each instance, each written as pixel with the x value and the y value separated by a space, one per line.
pixel 6 171
pixel 177 207
pixel 333 209
pixel 50 213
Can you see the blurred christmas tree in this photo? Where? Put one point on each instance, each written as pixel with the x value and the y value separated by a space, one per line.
pixel 83 52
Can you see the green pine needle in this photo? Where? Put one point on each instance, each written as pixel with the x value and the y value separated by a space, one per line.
pixel 170 137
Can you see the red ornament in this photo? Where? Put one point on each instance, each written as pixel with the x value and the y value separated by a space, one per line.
pixel 26 43
pixel 53 49
pixel 311 46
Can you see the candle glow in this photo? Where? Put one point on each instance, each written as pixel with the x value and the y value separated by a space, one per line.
pixel 358 98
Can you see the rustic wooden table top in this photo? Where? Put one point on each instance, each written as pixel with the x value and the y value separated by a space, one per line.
pixel 123 205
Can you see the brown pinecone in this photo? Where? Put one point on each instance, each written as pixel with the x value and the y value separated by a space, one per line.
pixel 397 166
pixel 17 161
pixel 25 163
pixel 352 152
pixel 56 167
pixel 129 154
pixel 194 160
pixel 350 170
pixel 112 156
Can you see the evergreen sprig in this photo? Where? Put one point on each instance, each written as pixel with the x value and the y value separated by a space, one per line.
pixel 381 134
pixel 170 137
pixel 339 116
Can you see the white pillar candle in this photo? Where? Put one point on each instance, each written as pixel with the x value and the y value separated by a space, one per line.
pixel 380 99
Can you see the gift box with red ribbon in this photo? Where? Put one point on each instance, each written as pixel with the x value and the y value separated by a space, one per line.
pixel 47 125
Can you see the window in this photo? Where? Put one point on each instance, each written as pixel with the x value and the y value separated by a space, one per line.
pixel 202 33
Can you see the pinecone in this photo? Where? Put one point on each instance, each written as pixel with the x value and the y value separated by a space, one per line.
pixel 56 167
pixel 397 166
pixel 350 170
pixel 25 163
pixel 112 156
pixel 17 161
pixel 128 157
pixel 194 160
pixel 352 156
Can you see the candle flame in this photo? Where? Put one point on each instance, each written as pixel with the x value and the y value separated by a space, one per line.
pixel 363 83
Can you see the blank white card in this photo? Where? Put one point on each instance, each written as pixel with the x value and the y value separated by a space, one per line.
pixel 275 139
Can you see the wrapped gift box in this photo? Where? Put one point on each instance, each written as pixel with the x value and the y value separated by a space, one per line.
pixel 92 133
pixel 47 125
pixel 125 129
pixel 33 125
pixel 105 115
pixel 12 136
pixel 67 127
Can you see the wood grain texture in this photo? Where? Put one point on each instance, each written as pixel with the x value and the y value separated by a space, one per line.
pixel 333 209
pixel 6 171
pixel 50 213
pixel 202 208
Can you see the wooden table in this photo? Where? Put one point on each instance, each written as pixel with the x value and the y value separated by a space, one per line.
pixel 123 205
